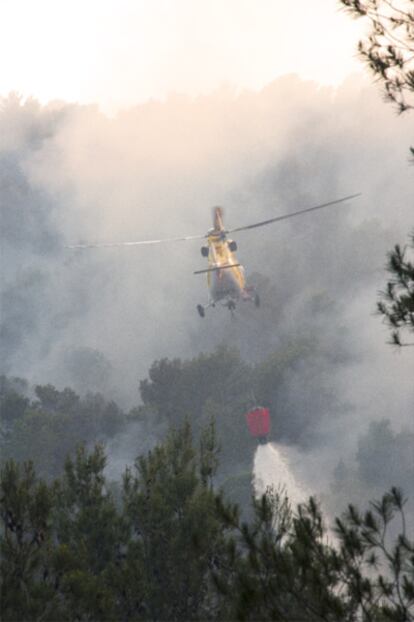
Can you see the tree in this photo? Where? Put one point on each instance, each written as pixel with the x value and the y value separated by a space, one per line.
pixel 89 535
pixel 285 565
pixel 48 429
pixel 13 406
pixel 210 386
pixel 76 554
pixel 389 52
pixel 176 535
pixel 27 584
pixel 397 302
pixel 174 549
pixel 388 49
pixel 51 400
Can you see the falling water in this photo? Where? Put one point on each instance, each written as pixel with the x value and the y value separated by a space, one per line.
pixel 272 467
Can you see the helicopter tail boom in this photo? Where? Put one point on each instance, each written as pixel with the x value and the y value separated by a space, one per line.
pixel 218 219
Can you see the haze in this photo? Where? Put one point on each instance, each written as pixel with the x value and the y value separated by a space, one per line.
pixel 239 104
pixel 118 53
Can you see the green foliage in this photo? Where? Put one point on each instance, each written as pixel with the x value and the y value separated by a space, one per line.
pixel 218 386
pixel 180 389
pixel 389 52
pixel 270 381
pixel 209 454
pixel 221 386
pixel 287 567
pixel 13 405
pixel 174 549
pixel 365 549
pixel 397 302
pixel 49 428
pixel 26 504
pixel 89 536
pixel 215 386
pixel 388 49
pixel 13 402
pixel 170 506
pixel 75 555
pixel 283 569
pixel 54 401
pixel 237 489
pixel 43 437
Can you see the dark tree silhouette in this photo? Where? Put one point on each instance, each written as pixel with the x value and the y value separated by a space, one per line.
pixel 397 301
pixel 388 49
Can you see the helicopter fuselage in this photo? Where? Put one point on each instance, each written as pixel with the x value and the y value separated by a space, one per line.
pixel 225 277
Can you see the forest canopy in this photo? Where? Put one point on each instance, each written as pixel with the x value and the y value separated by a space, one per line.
pixel 169 546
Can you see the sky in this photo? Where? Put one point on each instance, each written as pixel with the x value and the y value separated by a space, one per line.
pixel 117 53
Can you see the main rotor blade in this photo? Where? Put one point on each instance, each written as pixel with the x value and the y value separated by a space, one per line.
pixel 292 214
pixel 217 268
pixel 139 243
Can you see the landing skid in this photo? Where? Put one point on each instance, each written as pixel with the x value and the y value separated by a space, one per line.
pixel 202 310
pixel 230 304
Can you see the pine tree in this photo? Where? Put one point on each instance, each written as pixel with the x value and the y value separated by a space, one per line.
pixel 26 547
pixel 286 566
pixel 397 304
pixel 89 536
pixel 388 50
pixel 176 535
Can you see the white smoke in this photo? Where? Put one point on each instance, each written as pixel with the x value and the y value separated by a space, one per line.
pixel 70 174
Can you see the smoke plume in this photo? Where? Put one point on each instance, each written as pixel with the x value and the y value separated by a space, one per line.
pixel 98 318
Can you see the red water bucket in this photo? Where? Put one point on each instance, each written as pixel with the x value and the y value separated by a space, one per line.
pixel 258 422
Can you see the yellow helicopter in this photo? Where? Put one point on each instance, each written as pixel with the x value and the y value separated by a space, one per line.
pixel 225 275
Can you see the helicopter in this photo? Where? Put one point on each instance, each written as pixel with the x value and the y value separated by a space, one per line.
pixel 225 275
